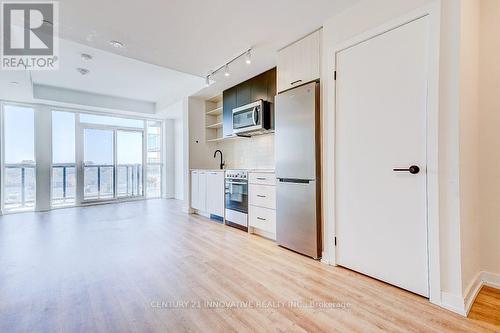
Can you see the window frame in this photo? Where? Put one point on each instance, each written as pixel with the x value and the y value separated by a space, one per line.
pixel 3 104
pixel 161 124
pixel 78 112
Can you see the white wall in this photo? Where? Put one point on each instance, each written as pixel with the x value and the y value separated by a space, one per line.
pixel 175 149
pixel 169 160
pixel 469 143
pixel 489 137
pixel 201 153
pixel 43 157
pixel 371 14
pixel 178 157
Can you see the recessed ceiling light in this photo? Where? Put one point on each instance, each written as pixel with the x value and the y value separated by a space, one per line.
pixel 83 71
pixel 116 44
pixel 86 57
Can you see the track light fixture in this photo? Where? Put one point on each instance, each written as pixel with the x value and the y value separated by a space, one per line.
pixel 248 59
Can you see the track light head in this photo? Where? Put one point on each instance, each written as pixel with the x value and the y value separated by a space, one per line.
pixel 248 57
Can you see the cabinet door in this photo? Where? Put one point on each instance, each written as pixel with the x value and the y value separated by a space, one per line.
pixel 215 193
pixel 211 183
pixel 202 191
pixel 229 103
pixel 299 63
pixel 244 93
pixel 195 202
pixel 259 87
pixel 306 59
pixel 285 68
pixel 271 85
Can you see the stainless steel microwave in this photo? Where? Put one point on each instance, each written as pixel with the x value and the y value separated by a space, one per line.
pixel 253 118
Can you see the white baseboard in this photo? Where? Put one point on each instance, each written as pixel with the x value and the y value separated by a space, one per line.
pixel 453 302
pixel 491 279
pixel 472 292
pixel 461 305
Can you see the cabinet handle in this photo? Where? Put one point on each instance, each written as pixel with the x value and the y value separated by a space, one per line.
pixel 295 82
pixel 260 218
pixel 260 178
pixel 261 196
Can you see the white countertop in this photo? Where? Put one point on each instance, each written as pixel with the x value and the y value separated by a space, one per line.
pixel 249 170
pixel 262 170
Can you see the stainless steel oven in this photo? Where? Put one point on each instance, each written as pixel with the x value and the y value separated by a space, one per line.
pixel 252 118
pixel 237 199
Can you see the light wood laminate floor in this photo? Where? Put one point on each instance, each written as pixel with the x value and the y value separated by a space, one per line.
pixel 129 267
pixel 487 306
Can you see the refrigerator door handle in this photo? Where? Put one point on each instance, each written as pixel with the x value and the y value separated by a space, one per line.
pixel 291 180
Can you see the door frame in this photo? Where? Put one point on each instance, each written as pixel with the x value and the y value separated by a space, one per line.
pixel 433 11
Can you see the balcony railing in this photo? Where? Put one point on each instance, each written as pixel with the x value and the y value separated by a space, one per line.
pixel 63 184
pixel 99 181
pixel 129 180
pixel 19 186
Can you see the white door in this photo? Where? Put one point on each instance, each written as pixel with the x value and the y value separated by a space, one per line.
pixel 381 214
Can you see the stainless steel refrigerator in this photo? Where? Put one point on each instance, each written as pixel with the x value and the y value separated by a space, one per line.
pixel 297 150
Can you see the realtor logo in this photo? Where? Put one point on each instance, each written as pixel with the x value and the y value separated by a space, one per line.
pixel 29 36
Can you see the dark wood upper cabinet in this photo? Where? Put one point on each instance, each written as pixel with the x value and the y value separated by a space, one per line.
pixel 262 86
pixel 259 87
pixel 244 93
pixel 228 104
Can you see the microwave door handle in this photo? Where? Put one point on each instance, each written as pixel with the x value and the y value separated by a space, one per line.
pixel 254 112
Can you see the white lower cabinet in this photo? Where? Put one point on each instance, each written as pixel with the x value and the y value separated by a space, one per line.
pixel 262 204
pixel 215 193
pixel 262 218
pixel 202 191
pixel 195 193
pixel 207 192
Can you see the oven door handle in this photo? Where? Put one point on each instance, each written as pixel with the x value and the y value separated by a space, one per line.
pixel 238 183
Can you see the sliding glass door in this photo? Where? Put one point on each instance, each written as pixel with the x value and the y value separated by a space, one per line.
pixel 129 163
pixel 98 164
pixel 112 163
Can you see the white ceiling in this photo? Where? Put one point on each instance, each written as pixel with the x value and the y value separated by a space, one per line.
pixel 117 76
pixel 196 36
pixel 170 45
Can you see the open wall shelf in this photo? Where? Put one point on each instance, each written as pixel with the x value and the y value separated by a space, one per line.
pixel 213 119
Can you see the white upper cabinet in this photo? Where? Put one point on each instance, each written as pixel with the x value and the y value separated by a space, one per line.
pixel 299 63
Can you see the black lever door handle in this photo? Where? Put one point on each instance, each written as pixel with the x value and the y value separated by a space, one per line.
pixel 413 170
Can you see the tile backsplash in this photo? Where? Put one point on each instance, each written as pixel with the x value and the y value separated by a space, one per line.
pixel 249 153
